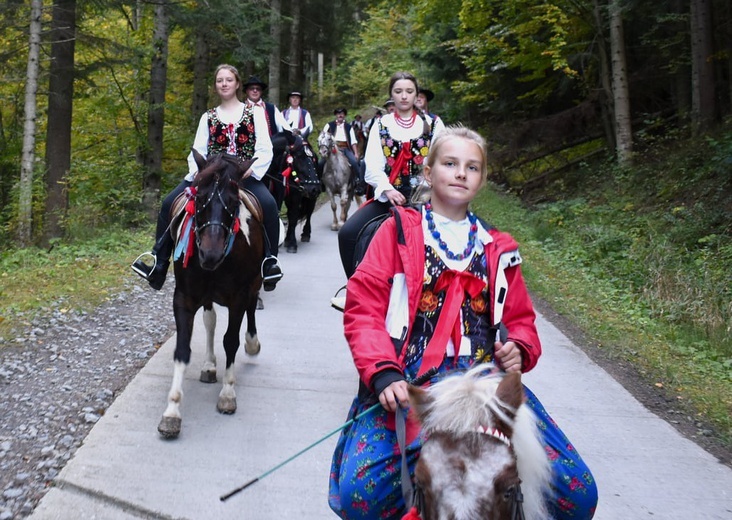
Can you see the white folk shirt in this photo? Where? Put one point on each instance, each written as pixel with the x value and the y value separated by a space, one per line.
pixel 293 119
pixel 340 133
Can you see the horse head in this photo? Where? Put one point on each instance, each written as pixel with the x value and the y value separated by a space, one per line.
pixel 326 143
pixel 216 191
pixel 302 161
pixel 482 441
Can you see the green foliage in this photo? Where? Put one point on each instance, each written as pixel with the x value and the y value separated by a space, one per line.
pixel 642 260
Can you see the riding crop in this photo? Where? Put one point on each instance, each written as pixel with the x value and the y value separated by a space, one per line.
pixel 417 382
pixel 278 466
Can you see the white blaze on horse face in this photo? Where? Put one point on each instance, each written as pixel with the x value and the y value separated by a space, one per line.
pixel 460 493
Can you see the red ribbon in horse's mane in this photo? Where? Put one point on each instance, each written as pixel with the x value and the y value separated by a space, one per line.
pixel 286 179
pixel 401 164
pixel 188 222
pixel 413 514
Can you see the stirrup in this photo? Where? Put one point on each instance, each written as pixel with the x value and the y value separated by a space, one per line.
pixel 269 281
pixel 339 302
pixel 138 265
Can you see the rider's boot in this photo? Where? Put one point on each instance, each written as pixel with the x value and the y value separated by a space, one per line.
pixel 155 274
pixel 271 273
pixel 359 188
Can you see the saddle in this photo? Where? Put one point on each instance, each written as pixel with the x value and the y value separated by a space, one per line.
pixel 248 207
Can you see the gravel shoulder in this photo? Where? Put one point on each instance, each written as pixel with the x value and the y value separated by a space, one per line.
pixel 60 374
pixel 65 369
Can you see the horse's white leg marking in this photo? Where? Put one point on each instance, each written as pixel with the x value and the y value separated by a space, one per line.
pixel 208 371
pixel 334 209
pixel 251 344
pixel 227 396
pixel 175 396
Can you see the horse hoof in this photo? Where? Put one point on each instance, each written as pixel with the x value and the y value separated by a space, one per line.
pixel 304 238
pixel 226 405
pixel 208 376
pixel 334 227
pixel 169 427
pixel 260 304
pixel 291 249
pixel 252 346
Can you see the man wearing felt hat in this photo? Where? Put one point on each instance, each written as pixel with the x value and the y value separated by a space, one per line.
pixel 264 111
pixel 390 106
pixel 424 96
pixel 346 141
pixel 297 117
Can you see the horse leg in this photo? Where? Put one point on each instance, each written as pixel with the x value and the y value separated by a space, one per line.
pixel 334 208
pixel 345 205
pixel 170 424
pixel 308 208
pixel 208 371
pixel 292 217
pixel 227 397
pixel 251 340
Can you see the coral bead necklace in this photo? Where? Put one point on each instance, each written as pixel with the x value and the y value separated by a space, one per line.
pixel 443 245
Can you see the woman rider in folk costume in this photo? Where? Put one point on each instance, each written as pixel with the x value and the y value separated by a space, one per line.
pixel 396 149
pixel 232 128
pixel 451 298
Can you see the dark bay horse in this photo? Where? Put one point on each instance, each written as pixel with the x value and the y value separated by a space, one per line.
pixel 295 182
pixel 218 260
pixel 482 441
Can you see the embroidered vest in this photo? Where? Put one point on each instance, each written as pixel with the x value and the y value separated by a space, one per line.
pixel 419 147
pixel 233 139
pixel 475 325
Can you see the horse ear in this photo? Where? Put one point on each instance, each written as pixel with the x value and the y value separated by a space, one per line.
pixel 200 161
pixel 245 165
pixel 419 401
pixel 510 390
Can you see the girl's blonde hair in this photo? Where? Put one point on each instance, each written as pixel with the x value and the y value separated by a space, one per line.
pixel 451 132
pixel 232 69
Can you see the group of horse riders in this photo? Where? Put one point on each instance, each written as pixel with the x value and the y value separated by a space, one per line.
pixel 235 127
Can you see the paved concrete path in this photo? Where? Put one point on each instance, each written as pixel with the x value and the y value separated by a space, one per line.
pixel 299 388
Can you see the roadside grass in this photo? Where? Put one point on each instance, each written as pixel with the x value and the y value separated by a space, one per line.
pixel 615 298
pixel 71 276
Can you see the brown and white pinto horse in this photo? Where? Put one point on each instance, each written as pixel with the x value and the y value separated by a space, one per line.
pixel 223 248
pixel 482 442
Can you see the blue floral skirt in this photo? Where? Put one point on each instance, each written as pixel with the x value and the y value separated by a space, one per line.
pixel 365 476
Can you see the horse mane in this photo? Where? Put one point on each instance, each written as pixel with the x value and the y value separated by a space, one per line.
pixel 463 401
pixel 224 165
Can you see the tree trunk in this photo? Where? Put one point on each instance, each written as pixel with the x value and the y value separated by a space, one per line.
pixel 60 108
pixel 25 205
pixel 605 78
pixel 275 56
pixel 621 96
pixel 201 83
pixel 703 106
pixel 156 111
pixel 295 69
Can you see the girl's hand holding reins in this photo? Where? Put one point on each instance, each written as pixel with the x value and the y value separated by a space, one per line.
pixel 395 197
pixel 508 356
pixel 394 395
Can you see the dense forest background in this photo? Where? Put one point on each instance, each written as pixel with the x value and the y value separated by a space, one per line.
pixel 608 118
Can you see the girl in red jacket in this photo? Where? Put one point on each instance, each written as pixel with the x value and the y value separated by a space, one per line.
pixel 428 294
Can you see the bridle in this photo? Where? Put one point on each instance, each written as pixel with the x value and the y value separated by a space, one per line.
pixel 289 176
pixel 230 230
pixel 513 493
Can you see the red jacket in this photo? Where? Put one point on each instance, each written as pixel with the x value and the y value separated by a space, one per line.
pixel 391 262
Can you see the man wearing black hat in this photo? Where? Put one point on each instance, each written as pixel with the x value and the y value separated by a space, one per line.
pixel 345 139
pixel 254 90
pixel 297 117
pixel 422 102
pixel 268 120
